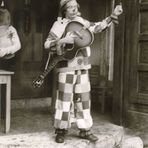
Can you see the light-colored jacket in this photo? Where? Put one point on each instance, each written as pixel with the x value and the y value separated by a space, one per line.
pixel 9 41
pixel 82 59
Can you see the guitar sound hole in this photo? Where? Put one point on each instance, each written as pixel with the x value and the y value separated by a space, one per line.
pixel 69 47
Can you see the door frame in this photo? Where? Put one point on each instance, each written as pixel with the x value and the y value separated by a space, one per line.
pixel 122 65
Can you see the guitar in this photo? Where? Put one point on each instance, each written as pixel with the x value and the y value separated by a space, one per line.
pixel 83 39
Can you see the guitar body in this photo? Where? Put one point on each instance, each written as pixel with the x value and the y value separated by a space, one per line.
pixel 83 39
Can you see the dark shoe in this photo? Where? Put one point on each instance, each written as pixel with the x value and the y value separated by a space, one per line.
pixel 59 138
pixel 88 135
pixel 60 135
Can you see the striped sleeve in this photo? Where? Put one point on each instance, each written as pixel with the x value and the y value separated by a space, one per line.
pixel 51 41
pixel 102 25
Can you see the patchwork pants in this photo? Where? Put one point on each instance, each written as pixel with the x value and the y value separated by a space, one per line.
pixel 73 100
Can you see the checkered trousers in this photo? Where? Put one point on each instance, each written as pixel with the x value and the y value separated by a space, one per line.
pixel 73 100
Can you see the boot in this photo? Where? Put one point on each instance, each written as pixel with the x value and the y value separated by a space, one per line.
pixel 88 135
pixel 60 135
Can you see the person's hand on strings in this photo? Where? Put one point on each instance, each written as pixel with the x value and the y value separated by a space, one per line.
pixel 68 39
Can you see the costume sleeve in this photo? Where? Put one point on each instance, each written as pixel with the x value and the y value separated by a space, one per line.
pixel 102 25
pixel 54 35
pixel 15 46
pixel 51 42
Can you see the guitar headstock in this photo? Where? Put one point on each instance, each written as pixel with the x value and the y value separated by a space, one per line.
pixel 38 82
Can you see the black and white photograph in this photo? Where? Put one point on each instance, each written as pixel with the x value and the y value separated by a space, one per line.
pixel 73 74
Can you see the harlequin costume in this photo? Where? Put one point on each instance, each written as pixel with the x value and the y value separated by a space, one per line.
pixel 73 89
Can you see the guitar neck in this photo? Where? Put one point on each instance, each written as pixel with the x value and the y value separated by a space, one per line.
pixel 51 65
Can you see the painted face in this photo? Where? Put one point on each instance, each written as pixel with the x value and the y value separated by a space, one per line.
pixel 71 9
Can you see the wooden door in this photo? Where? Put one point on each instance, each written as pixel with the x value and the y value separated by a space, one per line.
pixel 138 76
pixel 131 66
pixel 32 19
